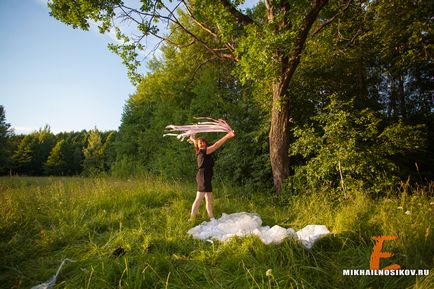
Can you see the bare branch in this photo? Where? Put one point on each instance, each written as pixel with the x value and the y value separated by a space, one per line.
pixel 353 39
pixel 200 24
pixel 241 18
pixel 331 19
pixel 229 46
pixel 127 15
pixel 138 39
pixel 153 49
pixel 168 40
pixel 175 20
pixel 270 15
pixel 200 65
pixel 171 12
pixel 138 17
pixel 296 51
pixel 152 15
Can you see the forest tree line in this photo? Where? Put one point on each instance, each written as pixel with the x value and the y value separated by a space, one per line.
pixel 361 106
pixel 43 153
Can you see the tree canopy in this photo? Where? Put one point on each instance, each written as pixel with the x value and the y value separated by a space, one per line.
pixel 268 46
pixel 317 91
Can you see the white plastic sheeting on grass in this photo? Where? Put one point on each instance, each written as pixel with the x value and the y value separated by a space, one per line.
pixel 52 281
pixel 243 224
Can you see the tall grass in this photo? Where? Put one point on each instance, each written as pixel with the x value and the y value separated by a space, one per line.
pixel 44 220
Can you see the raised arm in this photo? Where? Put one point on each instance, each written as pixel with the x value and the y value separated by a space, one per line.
pixel 219 143
pixel 192 140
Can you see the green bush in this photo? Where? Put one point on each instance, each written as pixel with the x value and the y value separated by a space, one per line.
pixel 347 146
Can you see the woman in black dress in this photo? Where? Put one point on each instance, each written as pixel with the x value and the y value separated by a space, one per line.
pixel 205 163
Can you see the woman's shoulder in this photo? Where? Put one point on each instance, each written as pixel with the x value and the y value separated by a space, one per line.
pixel 201 152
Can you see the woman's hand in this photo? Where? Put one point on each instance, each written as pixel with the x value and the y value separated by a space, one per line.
pixel 231 134
pixel 192 139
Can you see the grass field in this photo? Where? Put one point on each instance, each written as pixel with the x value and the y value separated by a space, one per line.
pixel 44 220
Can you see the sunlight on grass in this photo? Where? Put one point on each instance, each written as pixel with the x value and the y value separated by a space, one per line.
pixel 45 220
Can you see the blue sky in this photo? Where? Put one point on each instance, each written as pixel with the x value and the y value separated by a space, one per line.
pixel 52 74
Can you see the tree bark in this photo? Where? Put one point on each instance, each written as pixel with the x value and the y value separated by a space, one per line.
pixel 279 130
pixel 402 105
pixel 279 137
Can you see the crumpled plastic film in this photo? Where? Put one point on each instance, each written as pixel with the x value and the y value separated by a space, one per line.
pixel 52 281
pixel 244 224
pixel 311 233
pixel 185 131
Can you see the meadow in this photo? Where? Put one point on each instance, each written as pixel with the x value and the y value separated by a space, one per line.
pixel 45 220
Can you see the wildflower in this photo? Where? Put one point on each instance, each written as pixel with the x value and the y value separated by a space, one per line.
pixel 432 203
pixel 269 273
pixel 407 212
pixel 399 208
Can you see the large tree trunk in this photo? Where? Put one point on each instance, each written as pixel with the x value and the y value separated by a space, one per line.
pixel 279 137
pixel 279 130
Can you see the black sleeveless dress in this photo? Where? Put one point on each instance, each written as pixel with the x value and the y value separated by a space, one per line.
pixel 205 164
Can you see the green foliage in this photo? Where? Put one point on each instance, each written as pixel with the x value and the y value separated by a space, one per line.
pixel 33 151
pixel 43 153
pixel 78 13
pixel 352 142
pixel 5 134
pixel 375 53
pixel 23 155
pixel 56 164
pixel 262 47
pixel 399 34
pixel 127 167
pixel 186 83
pixel 180 86
pixel 129 55
pixel 44 140
pixel 409 27
pixel 74 143
pixel 96 156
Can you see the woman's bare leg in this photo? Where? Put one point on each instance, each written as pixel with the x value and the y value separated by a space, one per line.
pixel 196 203
pixel 208 201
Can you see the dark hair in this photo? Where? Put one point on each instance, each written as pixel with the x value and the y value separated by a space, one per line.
pixel 196 147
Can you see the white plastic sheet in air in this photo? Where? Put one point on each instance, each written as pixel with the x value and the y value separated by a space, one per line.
pixel 243 224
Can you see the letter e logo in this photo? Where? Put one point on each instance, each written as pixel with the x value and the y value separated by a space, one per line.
pixel 377 254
